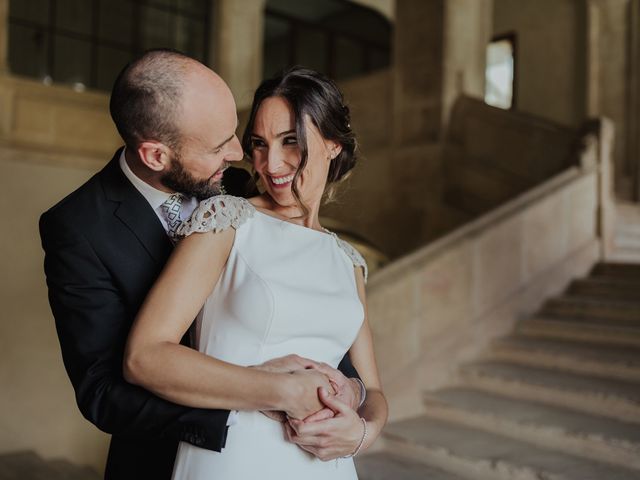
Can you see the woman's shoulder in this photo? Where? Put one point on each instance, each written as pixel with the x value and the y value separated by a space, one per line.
pixel 216 214
pixel 354 255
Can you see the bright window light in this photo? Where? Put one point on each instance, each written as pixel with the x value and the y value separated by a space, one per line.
pixel 500 73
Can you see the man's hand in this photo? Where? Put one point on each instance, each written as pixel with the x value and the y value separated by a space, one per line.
pixel 287 364
pixel 330 438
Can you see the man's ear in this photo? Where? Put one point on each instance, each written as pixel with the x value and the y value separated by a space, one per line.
pixel 154 155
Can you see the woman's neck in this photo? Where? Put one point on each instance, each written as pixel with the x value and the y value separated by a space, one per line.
pixel 293 213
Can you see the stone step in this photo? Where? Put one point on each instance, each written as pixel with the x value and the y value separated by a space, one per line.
pixel 480 455
pixel 603 287
pixel 387 466
pixel 627 255
pixel 586 393
pixel 578 357
pixel 596 437
pixel 629 271
pixel 581 330
pixel 27 465
pixel 627 237
pixel 585 307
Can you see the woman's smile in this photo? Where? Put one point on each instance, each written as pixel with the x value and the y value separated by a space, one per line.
pixel 282 181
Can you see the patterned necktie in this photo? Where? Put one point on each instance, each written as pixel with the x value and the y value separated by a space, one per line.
pixel 171 209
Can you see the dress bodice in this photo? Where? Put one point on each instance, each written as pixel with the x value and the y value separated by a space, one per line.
pixel 285 289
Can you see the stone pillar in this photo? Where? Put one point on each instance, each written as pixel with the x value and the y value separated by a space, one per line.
pixel 608 87
pixel 4 36
pixel 440 53
pixel 238 29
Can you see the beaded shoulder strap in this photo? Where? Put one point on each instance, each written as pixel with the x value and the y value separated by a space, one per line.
pixel 356 258
pixel 216 214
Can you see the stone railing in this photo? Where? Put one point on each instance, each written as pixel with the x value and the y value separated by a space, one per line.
pixel 444 303
pixel 491 155
pixel 56 120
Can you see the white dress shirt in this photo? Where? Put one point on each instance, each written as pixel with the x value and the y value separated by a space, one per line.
pixel 156 198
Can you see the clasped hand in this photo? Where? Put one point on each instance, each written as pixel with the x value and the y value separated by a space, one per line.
pixel 323 420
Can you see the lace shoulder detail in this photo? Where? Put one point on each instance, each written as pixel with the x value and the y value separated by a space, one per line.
pixel 356 258
pixel 216 214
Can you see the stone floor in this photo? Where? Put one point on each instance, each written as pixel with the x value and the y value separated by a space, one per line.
pixel 558 399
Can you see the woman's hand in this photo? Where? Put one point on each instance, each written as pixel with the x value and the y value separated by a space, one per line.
pixel 331 438
pixel 287 364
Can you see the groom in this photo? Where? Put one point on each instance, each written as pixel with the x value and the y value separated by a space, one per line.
pixel 107 241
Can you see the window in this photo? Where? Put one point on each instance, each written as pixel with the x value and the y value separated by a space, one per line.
pixel 500 73
pixel 86 43
pixel 336 37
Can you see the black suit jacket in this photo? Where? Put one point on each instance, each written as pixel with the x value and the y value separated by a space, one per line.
pixel 104 247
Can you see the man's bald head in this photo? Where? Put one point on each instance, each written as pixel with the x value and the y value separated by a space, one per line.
pixel 146 100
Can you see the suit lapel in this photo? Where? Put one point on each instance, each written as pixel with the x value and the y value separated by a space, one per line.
pixel 134 211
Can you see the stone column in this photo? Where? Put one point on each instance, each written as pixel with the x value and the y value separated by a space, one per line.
pixel 238 29
pixel 440 53
pixel 4 36
pixel 608 87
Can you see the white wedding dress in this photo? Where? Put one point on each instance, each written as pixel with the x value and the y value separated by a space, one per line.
pixel 285 289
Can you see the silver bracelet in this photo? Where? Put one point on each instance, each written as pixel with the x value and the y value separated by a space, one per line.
pixel 363 391
pixel 364 436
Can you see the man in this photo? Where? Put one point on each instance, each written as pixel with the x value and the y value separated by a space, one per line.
pixel 106 243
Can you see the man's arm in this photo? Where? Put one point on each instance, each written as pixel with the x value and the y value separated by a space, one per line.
pixel 92 322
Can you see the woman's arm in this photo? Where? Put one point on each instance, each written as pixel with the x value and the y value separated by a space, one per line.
pixel 155 360
pixel 341 435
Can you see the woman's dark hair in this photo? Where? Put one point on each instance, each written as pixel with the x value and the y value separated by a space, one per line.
pixel 310 93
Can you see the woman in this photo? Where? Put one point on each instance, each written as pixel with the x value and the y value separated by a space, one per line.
pixel 271 281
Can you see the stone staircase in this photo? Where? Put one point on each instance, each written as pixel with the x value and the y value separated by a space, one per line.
pixel 27 465
pixel 559 399
pixel 626 239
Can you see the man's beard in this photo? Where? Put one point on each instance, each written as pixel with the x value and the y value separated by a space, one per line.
pixel 179 179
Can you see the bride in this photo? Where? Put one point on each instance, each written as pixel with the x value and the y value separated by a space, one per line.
pixel 269 280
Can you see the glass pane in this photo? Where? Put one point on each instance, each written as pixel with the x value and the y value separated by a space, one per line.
pixel 110 62
pixel 28 49
pixel 197 7
pixel 190 36
pixel 379 59
pixel 72 60
pixel 311 49
pixel 277 46
pixel 350 60
pixel 74 15
pixel 31 10
pixel 155 28
pixel 163 4
pixel 116 21
pixel 499 74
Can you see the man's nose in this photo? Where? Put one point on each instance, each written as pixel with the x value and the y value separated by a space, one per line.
pixel 235 150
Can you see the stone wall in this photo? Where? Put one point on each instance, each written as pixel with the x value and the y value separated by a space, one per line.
pixel 550 70
pixel 37 401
